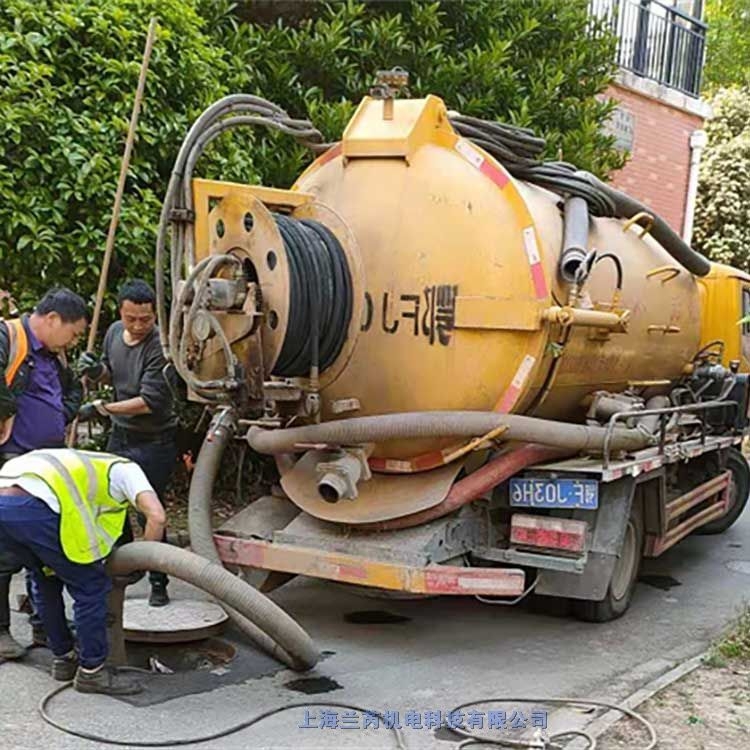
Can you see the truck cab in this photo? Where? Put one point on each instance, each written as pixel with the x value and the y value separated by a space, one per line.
pixel 725 301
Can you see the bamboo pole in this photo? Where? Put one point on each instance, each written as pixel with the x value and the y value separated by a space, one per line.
pixel 124 166
pixel 116 207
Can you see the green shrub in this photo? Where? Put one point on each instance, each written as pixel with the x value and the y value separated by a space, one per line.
pixel 536 63
pixel 722 211
pixel 68 72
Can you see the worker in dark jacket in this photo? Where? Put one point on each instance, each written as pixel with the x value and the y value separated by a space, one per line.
pixel 39 396
pixel 143 419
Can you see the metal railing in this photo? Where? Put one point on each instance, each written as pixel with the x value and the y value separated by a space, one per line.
pixel 656 41
pixel 699 409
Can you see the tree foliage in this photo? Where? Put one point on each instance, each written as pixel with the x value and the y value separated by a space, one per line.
pixel 728 43
pixel 722 213
pixel 68 71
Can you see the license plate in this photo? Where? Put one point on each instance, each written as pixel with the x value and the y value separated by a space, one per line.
pixel 554 493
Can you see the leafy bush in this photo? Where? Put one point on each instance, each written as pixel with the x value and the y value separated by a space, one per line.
pixel 722 212
pixel 68 72
pixel 728 43
pixel 539 63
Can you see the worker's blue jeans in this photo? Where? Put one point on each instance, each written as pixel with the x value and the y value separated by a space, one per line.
pixel 30 530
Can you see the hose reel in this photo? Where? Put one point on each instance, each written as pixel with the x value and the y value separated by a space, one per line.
pixel 275 299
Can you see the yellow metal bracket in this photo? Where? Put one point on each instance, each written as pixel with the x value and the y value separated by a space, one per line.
pixel 669 272
pixel 637 220
pixel 207 192
pixel 575 316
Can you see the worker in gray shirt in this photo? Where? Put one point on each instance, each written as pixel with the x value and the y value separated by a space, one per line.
pixel 142 414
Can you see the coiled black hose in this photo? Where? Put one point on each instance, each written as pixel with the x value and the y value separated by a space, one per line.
pixel 320 297
pixel 519 151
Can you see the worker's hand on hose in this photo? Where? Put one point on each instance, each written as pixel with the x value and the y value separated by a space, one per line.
pixel 90 366
pixel 94 410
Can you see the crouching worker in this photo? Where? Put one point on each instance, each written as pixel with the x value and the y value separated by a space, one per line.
pixel 61 512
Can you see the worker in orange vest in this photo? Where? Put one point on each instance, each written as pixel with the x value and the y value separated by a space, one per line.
pixel 39 396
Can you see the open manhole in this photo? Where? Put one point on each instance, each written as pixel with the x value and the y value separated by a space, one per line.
pixel 206 655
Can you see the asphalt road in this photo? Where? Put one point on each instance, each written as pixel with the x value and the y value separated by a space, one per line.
pixel 439 653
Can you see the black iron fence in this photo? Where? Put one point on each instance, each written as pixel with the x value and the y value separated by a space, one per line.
pixel 657 41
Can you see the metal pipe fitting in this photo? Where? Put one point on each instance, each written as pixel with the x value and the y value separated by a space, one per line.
pixel 575 238
pixel 338 478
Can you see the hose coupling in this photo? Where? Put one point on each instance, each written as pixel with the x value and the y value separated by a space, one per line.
pixel 338 478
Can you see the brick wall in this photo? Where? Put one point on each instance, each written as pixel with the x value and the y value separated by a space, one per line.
pixel 657 173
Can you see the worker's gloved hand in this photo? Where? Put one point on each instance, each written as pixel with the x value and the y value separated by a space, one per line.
pixel 89 365
pixel 94 410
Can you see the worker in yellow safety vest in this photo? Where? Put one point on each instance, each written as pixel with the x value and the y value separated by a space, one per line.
pixel 61 512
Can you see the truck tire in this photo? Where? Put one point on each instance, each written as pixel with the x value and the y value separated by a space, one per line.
pixel 624 576
pixel 738 492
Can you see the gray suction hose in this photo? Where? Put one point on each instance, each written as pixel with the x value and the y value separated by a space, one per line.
pixel 298 653
pixel 214 579
pixel 575 237
pixel 431 424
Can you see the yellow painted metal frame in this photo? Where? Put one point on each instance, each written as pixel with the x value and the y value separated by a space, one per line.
pixel 392 576
pixel 204 191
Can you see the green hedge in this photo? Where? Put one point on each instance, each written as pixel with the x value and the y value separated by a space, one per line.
pixel 722 210
pixel 68 71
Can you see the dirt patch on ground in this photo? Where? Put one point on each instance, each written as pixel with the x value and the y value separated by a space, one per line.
pixel 708 709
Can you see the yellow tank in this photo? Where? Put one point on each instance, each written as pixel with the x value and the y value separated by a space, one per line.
pixel 458 301
pixel 460 265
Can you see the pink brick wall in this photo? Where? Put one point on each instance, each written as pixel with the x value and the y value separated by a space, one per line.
pixel 657 173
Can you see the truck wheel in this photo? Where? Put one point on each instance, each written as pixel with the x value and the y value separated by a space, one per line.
pixel 624 576
pixel 738 492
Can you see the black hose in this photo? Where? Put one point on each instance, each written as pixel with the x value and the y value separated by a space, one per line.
pixel 519 151
pixel 245 724
pixel 617 263
pixel 627 207
pixel 320 298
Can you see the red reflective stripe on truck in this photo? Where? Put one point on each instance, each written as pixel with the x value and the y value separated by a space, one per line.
pixel 332 153
pixel 494 173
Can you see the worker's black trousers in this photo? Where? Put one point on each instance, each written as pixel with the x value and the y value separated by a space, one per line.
pixel 156 455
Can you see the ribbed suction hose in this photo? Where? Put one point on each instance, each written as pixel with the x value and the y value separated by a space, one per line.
pixel 292 645
pixel 432 424
pixel 298 652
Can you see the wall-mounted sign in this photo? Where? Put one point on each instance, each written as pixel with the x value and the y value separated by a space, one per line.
pixel 621 125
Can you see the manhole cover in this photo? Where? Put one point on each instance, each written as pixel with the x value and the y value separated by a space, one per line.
pixel 181 620
pixel 739 566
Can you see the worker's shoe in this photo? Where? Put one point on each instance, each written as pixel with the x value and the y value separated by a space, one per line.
pixel 105 680
pixel 159 596
pixel 64 667
pixel 10 648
